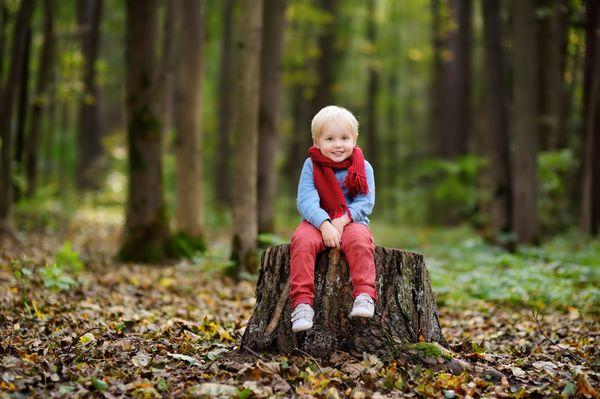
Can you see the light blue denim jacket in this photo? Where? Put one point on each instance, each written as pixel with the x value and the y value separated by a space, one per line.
pixel 309 203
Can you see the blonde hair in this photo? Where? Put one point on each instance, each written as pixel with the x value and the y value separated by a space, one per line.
pixel 333 113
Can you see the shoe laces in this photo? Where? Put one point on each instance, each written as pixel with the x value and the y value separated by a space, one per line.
pixel 302 311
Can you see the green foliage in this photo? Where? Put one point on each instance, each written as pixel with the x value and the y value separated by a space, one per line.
pixel 452 184
pixel 55 278
pixel 557 172
pixel 266 240
pixel 68 258
pixel 561 273
pixel 183 245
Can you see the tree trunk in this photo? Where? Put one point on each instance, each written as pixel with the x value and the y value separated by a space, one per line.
pixel 438 45
pixel 41 97
pixel 188 139
pixel 167 68
pixel 405 311
pixel 553 90
pixel 525 121
pixel 327 58
pixel 222 171
pixel 300 139
pixel 496 137
pixel 245 133
pixel 372 89
pixel 456 79
pixel 89 145
pixel 590 203
pixel 3 24
pixel 270 111
pixel 146 231
pixel 22 114
pixel 7 102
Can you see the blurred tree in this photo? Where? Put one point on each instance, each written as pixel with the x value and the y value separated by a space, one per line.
pixel 456 81
pixel 552 39
pixel 525 117
pixel 222 167
pixel 89 145
pixel 168 65
pixel 40 100
pixel 189 210
pixel 590 204
pixel 146 231
pixel 328 56
pixel 245 136
pixel 496 137
pixel 373 86
pixel 22 116
pixel 270 110
pixel 310 60
pixel 3 23
pixel 438 44
pixel 7 100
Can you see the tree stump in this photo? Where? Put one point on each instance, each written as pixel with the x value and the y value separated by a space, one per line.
pixel 404 313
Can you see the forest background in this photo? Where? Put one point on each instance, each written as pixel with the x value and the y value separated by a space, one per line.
pixel 161 130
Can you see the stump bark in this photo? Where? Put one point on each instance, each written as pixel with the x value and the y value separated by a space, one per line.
pixel 404 313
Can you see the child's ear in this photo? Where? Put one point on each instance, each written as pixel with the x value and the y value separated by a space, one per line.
pixel 315 143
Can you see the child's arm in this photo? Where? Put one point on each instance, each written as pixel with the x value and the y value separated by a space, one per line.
pixel 362 204
pixel 308 200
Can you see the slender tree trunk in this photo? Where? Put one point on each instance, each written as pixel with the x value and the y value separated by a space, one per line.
pixel 89 145
pixel 9 89
pixel 270 110
pixel 590 204
pixel 553 90
pixel 41 97
pixel 167 67
pixel 496 138
pixel 146 231
pixel 245 133
pixel 456 78
pixel 22 113
pixel 3 23
pixel 372 89
pixel 392 149
pixel 525 83
pixel 326 63
pixel 222 171
pixel 49 136
pixel 300 139
pixel 188 109
pixel 438 44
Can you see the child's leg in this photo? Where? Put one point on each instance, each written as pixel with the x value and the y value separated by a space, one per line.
pixel 307 242
pixel 358 246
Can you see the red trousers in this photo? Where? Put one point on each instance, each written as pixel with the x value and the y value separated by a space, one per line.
pixel 357 244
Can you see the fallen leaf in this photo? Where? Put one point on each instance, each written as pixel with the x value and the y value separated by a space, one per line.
pixel 518 372
pixel 140 360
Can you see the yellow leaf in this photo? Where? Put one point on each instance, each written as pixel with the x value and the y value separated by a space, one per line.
pixel 167 282
pixel 224 335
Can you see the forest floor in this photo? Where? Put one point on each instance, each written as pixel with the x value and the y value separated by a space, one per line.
pixel 75 323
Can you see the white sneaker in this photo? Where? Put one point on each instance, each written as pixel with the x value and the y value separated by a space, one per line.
pixel 364 306
pixel 302 317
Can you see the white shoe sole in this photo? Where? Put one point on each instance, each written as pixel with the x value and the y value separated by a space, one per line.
pixel 367 315
pixel 302 327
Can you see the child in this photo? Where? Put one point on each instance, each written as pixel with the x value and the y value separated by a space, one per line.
pixel 336 193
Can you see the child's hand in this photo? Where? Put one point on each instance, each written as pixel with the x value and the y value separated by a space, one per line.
pixel 331 236
pixel 340 223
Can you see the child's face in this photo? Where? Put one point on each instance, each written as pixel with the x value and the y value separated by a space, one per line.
pixel 335 142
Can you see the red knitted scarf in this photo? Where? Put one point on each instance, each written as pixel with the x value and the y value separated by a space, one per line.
pixel 330 192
